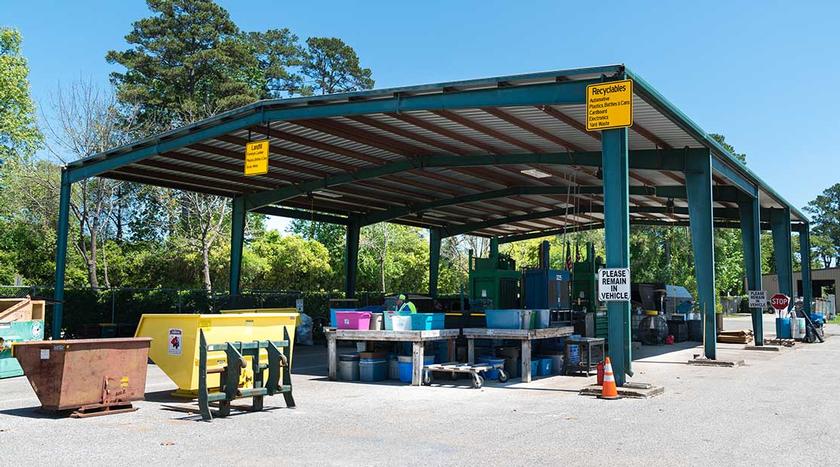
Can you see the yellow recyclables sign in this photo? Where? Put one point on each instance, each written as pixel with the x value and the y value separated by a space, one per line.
pixel 256 157
pixel 609 105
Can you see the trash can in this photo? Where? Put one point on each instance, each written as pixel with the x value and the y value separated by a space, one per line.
pixel 175 340
pixel 85 374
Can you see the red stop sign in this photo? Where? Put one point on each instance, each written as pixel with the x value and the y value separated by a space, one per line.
pixel 779 301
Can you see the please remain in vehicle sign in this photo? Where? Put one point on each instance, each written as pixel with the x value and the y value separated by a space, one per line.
pixel 614 285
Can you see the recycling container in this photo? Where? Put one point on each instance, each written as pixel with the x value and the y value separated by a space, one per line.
pixel 12 333
pixel 70 374
pixel 175 340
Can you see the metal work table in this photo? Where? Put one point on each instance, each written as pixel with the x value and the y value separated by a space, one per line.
pixel 525 336
pixel 417 338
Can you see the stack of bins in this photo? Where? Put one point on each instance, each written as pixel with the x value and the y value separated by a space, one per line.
pixel 373 369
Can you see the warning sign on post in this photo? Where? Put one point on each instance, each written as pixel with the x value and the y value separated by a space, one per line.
pixel 609 105
pixel 758 298
pixel 614 285
pixel 256 157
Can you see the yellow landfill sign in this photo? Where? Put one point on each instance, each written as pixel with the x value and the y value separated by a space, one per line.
pixel 256 157
pixel 609 105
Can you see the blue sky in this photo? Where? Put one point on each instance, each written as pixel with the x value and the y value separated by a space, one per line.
pixel 760 72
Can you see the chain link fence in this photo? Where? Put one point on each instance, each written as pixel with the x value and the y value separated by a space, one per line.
pixel 89 313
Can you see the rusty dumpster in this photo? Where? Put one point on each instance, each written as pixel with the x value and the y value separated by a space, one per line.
pixel 90 376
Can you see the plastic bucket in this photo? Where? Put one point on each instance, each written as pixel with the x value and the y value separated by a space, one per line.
pixel 353 319
pixel 401 323
pixel 800 328
pixel 373 369
pixel 783 328
pixel 545 366
pixel 348 370
pixel 405 371
pixel 394 369
pixel 556 364
pixel 376 322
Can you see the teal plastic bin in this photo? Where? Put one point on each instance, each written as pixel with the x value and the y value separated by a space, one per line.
pixel 427 321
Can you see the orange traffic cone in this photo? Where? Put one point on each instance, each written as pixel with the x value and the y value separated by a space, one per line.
pixel 608 389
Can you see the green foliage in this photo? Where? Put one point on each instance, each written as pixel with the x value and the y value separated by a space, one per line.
pixel 187 61
pixel 19 136
pixel 333 66
pixel 289 263
pixel 825 216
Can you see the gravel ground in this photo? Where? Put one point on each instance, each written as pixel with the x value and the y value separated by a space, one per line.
pixel 767 412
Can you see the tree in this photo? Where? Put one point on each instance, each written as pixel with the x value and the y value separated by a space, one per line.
pixel 19 136
pixel 333 66
pixel 187 59
pixel 825 215
pixel 825 249
pixel 88 122
pixel 203 221
pixel 290 262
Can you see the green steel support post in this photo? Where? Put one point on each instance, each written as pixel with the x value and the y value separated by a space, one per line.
pixel 237 238
pixel 805 252
pixel 434 261
pixel 751 239
pixel 698 180
pixel 617 233
pixel 61 253
pixel 783 250
pixel 351 258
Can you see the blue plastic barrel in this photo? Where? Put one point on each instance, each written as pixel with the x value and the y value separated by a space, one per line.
pixel 405 371
pixel 574 354
pixel 783 328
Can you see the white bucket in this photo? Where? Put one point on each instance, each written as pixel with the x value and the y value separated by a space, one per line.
pixel 401 323
pixel 800 324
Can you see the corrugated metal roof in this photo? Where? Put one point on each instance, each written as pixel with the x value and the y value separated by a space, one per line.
pixel 305 149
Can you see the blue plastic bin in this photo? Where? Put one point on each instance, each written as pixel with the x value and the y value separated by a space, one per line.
pixel 427 321
pixel 373 369
pixel 546 365
pixel 535 368
pixel 405 371
pixel 491 360
pixel 504 319
pixel 783 328
pixel 541 319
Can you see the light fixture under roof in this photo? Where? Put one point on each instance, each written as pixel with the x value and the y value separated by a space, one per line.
pixel 535 173
pixel 326 194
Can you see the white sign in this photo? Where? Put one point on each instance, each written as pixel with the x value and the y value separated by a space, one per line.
pixel 614 285
pixel 45 354
pixel 758 298
pixel 175 342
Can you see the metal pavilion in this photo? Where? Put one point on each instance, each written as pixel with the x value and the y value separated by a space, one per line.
pixel 506 157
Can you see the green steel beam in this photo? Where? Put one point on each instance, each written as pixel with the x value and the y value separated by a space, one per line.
pixel 650 95
pixel 782 250
pixel 805 252
pixel 303 215
pixel 698 178
pixel 351 258
pixel 549 232
pixel 434 261
pixel 237 241
pixel 61 252
pixel 617 240
pixel 751 240
pixel 736 178
pixel 643 159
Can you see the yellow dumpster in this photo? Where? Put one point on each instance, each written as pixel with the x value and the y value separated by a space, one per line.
pixel 265 310
pixel 175 340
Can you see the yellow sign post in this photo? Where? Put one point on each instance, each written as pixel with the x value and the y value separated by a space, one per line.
pixel 609 105
pixel 256 157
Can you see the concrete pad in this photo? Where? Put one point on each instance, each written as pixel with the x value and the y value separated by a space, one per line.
pixel 764 348
pixel 630 390
pixel 717 363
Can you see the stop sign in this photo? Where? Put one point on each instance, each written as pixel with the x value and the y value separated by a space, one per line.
pixel 779 301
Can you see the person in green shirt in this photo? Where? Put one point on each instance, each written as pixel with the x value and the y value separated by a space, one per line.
pixel 404 305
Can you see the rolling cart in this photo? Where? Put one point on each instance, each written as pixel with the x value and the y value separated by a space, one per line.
pixel 474 371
